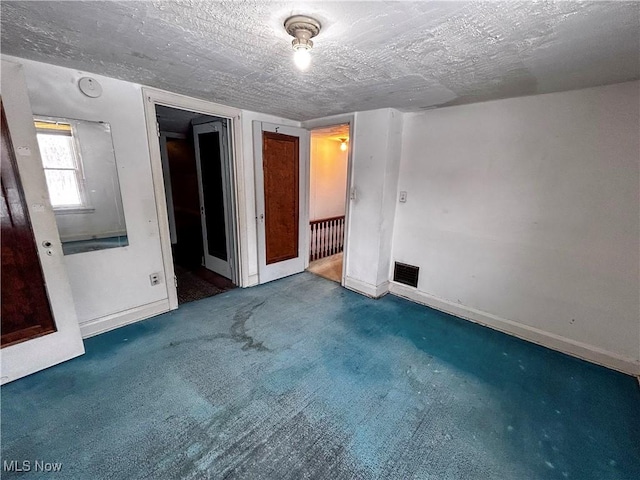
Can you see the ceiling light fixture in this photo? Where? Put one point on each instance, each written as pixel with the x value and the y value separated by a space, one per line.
pixel 343 144
pixel 303 29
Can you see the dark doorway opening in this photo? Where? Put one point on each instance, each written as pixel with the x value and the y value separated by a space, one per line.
pixel 195 160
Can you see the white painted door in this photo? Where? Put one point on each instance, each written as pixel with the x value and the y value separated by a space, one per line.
pixel 281 199
pixel 211 142
pixel 21 359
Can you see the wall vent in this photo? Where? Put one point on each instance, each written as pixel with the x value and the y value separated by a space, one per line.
pixel 407 274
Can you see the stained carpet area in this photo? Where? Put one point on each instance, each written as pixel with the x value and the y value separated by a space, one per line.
pixel 303 379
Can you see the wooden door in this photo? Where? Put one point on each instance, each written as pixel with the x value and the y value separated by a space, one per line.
pixel 185 202
pixel 281 159
pixel 26 312
pixel 280 163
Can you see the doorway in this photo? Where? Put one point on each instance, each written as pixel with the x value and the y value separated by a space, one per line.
pixel 328 174
pixel 196 156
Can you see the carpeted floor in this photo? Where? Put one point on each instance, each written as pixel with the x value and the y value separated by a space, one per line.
pixel 301 378
pixel 199 283
pixel 80 246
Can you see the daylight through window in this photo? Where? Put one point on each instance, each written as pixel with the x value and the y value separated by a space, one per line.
pixel 62 164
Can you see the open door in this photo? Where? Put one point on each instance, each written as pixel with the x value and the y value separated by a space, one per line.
pixel 39 324
pixel 211 142
pixel 281 159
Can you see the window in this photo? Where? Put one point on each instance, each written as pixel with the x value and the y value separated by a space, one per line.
pixel 62 165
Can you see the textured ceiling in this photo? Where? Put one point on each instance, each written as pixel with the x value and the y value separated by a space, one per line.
pixel 406 55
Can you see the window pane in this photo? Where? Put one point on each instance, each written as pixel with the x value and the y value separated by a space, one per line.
pixel 63 188
pixel 56 150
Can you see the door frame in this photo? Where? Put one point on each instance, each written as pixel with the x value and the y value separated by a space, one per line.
pixel 350 190
pixel 36 354
pixel 281 269
pixel 153 97
pixel 167 180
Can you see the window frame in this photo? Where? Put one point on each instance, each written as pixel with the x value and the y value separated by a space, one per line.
pixel 85 205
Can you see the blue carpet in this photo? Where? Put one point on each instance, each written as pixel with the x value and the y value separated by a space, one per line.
pixel 80 246
pixel 303 379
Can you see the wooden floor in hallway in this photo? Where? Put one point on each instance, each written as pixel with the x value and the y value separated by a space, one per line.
pixel 328 267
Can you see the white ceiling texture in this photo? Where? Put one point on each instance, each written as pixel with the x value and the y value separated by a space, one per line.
pixel 406 55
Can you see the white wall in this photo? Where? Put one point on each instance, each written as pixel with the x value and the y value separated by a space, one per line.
pixel 328 178
pixel 376 145
pixel 107 282
pixel 524 214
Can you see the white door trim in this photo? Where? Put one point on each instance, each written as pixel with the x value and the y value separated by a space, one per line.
pixel 153 97
pixel 65 343
pixel 267 273
pixel 350 190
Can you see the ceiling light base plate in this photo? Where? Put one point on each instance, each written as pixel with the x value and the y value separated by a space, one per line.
pixel 300 22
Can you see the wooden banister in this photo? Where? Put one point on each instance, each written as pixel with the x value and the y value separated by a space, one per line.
pixel 326 237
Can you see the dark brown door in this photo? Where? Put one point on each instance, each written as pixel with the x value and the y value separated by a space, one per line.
pixel 186 202
pixel 26 312
pixel 280 156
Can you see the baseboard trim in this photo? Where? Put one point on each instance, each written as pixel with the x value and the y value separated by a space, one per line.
pixel 120 319
pixel 364 288
pixel 580 350
pixel 253 280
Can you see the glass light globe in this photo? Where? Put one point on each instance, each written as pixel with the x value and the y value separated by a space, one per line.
pixel 302 58
pixel 343 146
